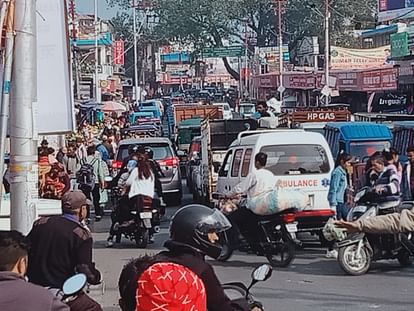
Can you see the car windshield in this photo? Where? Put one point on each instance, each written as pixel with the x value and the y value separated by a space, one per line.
pixel 365 149
pixel 247 109
pixel 150 104
pixel 226 108
pixel 296 159
pixel 161 151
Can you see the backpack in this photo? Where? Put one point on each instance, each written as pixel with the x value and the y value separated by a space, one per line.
pixel 85 177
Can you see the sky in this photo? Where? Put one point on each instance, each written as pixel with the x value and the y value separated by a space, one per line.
pixel 86 7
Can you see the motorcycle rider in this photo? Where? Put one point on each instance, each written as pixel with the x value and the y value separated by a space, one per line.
pixel 15 292
pixel 256 182
pixel 194 233
pixel 384 181
pixel 62 247
pixel 158 173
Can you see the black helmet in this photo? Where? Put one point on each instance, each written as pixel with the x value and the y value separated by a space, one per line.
pixel 191 225
pixel 149 152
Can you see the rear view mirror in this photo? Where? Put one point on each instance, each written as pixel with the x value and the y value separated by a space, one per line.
pixel 74 284
pixel 108 178
pixel 262 273
pixel 181 153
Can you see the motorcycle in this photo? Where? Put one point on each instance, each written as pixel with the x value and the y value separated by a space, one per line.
pixel 358 251
pixel 142 224
pixel 276 239
pixel 240 294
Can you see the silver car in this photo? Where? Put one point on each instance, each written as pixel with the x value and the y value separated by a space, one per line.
pixel 166 157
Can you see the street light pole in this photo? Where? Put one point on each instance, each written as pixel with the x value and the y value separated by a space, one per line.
pixel 134 17
pixel 5 101
pixel 327 16
pixel 97 89
pixel 279 13
pixel 23 131
pixel 246 63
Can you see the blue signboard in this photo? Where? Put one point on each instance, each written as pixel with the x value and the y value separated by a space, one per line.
pixel 176 58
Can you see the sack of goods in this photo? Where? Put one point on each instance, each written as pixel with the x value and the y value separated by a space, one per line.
pixel 278 200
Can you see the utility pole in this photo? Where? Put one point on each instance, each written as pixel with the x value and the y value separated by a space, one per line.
pixel 279 18
pixel 23 130
pixel 246 64
pixel 8 65
pixel 327 61
pixel 97 88
pixel 134 17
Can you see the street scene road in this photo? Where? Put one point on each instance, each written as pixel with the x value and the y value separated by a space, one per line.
pixel 311 282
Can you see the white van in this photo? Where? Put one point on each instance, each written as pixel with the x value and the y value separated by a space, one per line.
pixel 301 160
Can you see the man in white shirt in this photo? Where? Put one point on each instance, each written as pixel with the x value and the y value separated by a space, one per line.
pixel 258 181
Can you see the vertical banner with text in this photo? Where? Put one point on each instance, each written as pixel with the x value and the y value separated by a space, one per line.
pixel 119 52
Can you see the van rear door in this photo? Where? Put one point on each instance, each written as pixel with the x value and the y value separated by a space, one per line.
pixel 305 167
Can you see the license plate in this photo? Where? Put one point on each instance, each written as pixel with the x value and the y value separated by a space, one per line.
pixel 145 215
pixel 292 228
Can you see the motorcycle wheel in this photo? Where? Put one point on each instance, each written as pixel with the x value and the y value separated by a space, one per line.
pixel 404 258
pixel 285 255
pixel 351 265
pixel 142 238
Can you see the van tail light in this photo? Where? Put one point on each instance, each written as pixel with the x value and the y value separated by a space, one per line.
pixel 117 164
pixel 173 161
pixel 289 218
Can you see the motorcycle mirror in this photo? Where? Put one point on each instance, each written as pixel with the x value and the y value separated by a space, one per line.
pixel 262 273
pixel 74 284
pixel 108 178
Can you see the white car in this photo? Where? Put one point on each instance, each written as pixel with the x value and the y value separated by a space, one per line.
pixel 44 207
pixel 227 113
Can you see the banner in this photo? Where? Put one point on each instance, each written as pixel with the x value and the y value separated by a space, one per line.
pixel 119 53
pixel 343 58
pixel 54 91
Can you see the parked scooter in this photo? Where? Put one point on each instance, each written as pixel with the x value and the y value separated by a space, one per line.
pixel 357 251
pixel 276 237
pixel 238 292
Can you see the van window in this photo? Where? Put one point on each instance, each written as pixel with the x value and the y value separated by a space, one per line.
pixel 224 170
pixel 236 163
pixel 246 162
pixel 296 159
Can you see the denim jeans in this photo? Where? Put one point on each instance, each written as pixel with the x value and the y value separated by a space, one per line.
pixel 342 211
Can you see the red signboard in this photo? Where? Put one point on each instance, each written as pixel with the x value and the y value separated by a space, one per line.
pixel 347 81
pixel 299 81
pixel 377 80
pixel 119 53
pixel 268 81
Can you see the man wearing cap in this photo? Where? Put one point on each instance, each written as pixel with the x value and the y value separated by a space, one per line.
pixel 62 247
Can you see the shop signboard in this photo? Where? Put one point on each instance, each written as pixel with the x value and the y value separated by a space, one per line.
pixel 345 59
pixel 298 81
pixel 399 45
pixel 378 80
pixel 229 51
pixel 347 81
pixel 390 102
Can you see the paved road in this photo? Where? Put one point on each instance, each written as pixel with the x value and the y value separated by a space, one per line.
pixel 311 283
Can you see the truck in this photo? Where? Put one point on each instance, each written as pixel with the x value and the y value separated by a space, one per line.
pixel 403 137
pixel 386 118
pixel 216 137
pixel 337 113
pixel 178 113
pixel 360 140
pixel 187 130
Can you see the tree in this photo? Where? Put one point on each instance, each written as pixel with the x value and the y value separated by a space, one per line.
pixel 201 23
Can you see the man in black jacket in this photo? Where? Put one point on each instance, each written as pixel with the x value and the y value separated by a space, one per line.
pixel 62 247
